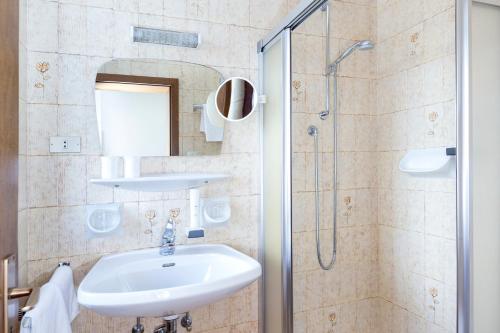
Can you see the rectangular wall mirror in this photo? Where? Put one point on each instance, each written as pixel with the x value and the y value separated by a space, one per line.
pixel 156 108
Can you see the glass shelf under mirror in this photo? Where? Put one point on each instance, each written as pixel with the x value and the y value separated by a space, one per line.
pixel 163 182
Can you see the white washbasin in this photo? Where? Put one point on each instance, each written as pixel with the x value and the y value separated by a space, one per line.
pixel 146 284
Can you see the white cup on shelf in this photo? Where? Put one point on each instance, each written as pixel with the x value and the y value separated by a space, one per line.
pixel 109 167
pixel 131 166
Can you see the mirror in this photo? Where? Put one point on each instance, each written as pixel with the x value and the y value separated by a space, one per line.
pixel 157 108
pixel 236 99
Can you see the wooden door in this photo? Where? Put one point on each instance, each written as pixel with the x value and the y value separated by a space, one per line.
pixel 9 112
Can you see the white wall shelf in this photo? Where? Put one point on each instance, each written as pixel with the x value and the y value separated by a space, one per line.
pixel 430 162
pixel 162 183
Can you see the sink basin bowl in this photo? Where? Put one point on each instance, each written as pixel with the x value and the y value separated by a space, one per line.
pixel 145 284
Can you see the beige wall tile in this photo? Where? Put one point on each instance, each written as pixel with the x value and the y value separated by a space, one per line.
pixel 235 12
pixel 72 180
pixel 41 25
pixel 265 14
pixel 72 28
pixel 42 232
pixel 42 181
pixel 72 239
pixel 123 20
pixel 42 124
pixel 99 32
pixel 433 7
pixel 352 21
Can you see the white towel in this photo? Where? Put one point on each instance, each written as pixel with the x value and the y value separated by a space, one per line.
pixel 211 123
pixel 50 313
pixel 212 114
pixel 63 279
pixel 213 133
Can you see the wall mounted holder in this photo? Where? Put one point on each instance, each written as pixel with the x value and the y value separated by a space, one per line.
pixel 206 213
pixel 195 230
pixel 216 211
pixel 103 219
pixel 430 162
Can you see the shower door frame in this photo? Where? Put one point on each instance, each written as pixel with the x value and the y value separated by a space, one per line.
pixel 464 181
pixel 282 32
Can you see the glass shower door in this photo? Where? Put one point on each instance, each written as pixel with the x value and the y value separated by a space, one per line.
pixel 276 181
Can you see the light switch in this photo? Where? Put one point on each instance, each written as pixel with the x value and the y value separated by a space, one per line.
pixel 65 144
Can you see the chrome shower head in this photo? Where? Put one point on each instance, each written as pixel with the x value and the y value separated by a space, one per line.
pixel 333 67
pixel 361 45
pixel 365 45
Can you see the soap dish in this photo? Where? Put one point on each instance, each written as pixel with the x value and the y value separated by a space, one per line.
pixel 103 219
pixel 216 211
pixel 430 162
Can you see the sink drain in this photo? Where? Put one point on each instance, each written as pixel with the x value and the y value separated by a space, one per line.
pixel 170 264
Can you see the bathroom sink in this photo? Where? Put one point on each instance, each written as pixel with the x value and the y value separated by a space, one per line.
pixel 146 284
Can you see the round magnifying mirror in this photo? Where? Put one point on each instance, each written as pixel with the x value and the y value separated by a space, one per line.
pixel 236 98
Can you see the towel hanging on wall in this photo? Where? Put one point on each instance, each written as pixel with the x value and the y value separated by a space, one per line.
pixel 210 122
pixel 63 279
pixel 50 313
pixel 56 306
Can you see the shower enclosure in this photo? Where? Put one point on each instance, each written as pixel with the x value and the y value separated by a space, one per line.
pixel 308 180
pixel 348 242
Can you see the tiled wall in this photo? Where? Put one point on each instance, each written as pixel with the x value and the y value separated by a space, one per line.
pixel 63 45
pixel 416 216
pixel 395 269
pixel 343 299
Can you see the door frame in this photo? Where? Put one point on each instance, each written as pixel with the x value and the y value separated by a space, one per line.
pixel 9 158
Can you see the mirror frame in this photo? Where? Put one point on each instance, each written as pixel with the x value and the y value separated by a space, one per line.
pixel 172 83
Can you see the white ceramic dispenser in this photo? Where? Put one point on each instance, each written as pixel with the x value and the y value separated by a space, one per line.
pixel 195 230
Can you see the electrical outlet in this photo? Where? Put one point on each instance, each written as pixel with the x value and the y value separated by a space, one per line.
pixel 65 144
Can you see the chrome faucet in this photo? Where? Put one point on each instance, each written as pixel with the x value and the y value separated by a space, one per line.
pixel 167 247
